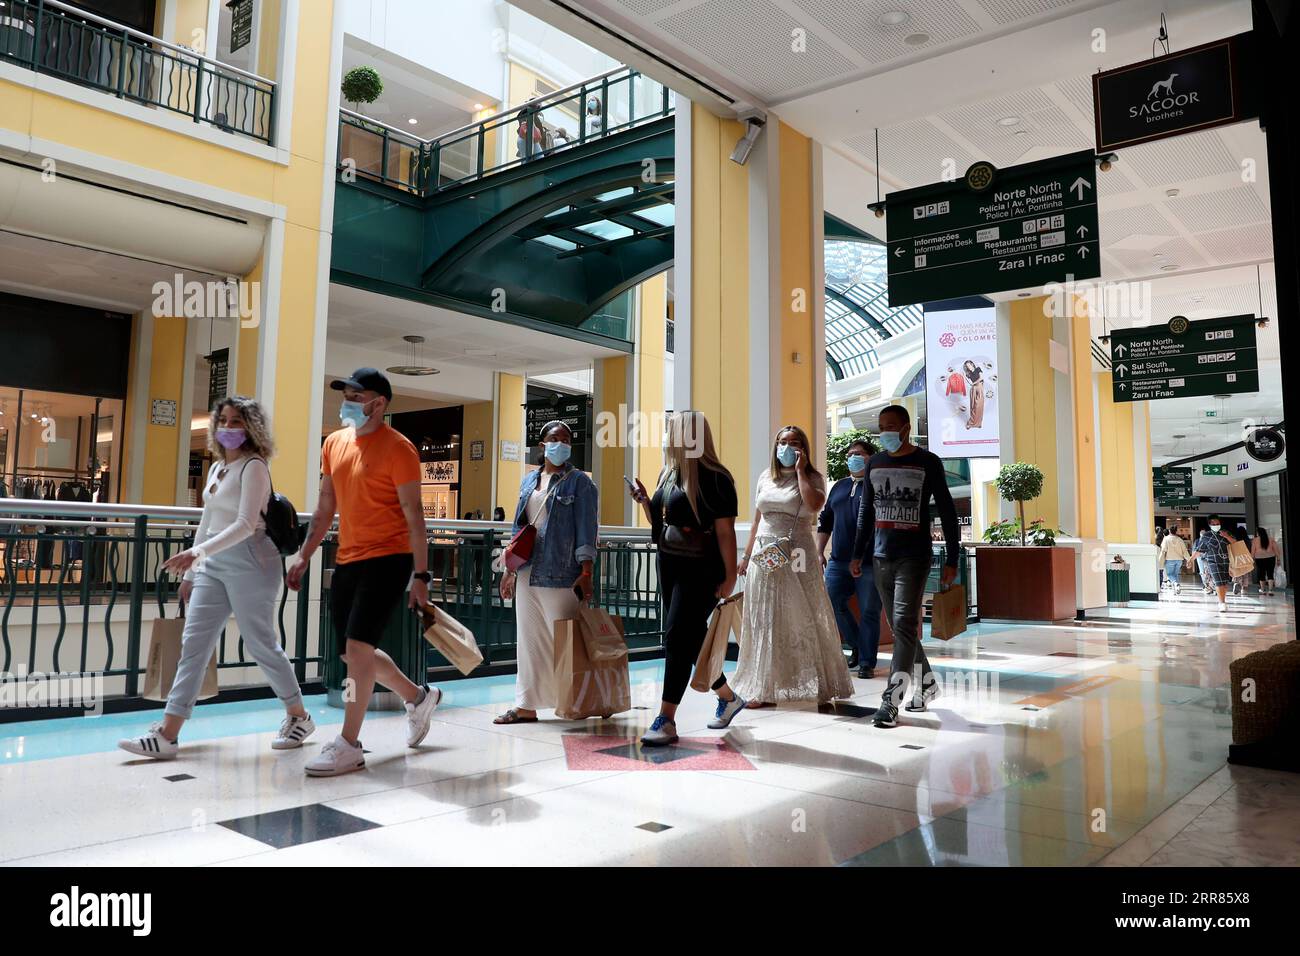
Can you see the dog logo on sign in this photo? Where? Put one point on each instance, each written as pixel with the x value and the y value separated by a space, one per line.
pixel 1166 85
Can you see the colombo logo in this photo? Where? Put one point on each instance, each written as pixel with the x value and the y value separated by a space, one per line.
pixel 947 340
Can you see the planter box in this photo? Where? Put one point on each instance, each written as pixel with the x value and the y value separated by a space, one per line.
pixel 1025 584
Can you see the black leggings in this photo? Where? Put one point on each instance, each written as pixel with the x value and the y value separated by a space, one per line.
pixel 689 588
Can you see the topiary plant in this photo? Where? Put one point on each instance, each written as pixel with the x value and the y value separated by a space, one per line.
pixel 362 84
pixel 837 449
pixel 1020 481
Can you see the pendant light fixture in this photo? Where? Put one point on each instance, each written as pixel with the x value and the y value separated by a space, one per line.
pixel 415 368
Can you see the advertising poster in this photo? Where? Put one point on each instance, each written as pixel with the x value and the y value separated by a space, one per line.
pixel 961 378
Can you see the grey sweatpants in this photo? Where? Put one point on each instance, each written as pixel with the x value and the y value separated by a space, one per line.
pixel 901 584
pixel 245 579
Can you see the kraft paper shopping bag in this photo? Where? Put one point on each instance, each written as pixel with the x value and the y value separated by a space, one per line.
pixel 165 655
pixel 602 636
pixel 450 638
pixel 948 613
pixel 725 622
pixel 587 688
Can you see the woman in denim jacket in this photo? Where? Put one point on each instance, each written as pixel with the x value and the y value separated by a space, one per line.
pixel 560 501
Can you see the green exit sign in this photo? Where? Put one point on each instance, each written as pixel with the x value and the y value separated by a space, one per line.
pixel 1214 469
pixel 1211 414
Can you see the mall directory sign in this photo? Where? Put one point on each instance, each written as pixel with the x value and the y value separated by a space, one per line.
pixel 1193 89
pixel 1181 358
pixel 994 230
pixel 1169 484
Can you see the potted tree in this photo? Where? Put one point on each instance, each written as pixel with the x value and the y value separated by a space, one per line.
pixel 1021 573
pixel 837 447
pixel 363 141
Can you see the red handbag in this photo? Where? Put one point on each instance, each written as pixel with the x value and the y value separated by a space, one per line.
pixel 520 549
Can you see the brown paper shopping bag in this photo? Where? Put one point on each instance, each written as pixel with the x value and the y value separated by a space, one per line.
pixel 601 634
pixel 450 638
pixel 725 622
pixel 165 655
pixel 948 613
pixel 587 688
pixel 1240 562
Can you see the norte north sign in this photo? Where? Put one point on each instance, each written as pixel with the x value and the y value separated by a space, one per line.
pixel 1209 357
pixel 994 230
pixel 1192 89
pixel 1171 484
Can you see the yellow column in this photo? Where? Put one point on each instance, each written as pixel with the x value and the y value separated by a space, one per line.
pixel 1118 464
pixel 612 455
pixel 162 443
pixel 798 390
pixel 720 289
pixel 1033 390
pixel 651 402
pixel 1085 430
pixel 476 476
pixel 510 427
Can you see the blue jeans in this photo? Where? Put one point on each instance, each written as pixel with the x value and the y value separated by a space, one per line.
pixel 864 635
pixel 1172 567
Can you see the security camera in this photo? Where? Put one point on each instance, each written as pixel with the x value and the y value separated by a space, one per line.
pixel 754 121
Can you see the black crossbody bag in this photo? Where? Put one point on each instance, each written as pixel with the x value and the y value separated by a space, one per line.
pixel 682 541
pixel 282 525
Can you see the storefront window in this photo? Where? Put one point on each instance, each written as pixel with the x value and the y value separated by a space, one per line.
pixel 59 445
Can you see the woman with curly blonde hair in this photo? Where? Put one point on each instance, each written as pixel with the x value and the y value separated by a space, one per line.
pixel 232 566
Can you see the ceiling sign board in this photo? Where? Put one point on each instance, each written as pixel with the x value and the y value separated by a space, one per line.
pixel 1171 484
pixel 1265 444
pixel 994 230
pixel 1209 357
pixel 241 23
pixel 1192 89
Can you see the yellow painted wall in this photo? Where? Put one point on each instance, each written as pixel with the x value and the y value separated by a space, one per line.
pixel 510 427
pixel 476 476
pixel 720 289
pixel 162 443
pixel 613 392
pixel 1119 489
pixel 650 372
pixel 191 15
pixel 268 46
pixel 798 390
pixel 1033 389
pixel 1085 431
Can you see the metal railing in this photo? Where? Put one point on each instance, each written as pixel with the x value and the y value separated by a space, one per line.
pixel 54 38
pixel 593 109
pixel 81 584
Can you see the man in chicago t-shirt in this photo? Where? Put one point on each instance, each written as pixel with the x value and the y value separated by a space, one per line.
pixel 894 521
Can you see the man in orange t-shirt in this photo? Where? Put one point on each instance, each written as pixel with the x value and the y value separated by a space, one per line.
pixel 371 477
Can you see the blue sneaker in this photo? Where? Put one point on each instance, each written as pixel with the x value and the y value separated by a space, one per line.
pixel 661 733
pixel 727 709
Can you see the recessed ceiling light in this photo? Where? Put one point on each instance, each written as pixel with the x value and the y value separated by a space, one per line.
pixel 413 121
pixel 1169 267
pixel 916 39
pixel 892 18
pixel 1171 192
pixel 1022 132
pixel 1009 121
pixel 478 106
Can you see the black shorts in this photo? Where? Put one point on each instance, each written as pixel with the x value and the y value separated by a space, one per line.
pixel 364 593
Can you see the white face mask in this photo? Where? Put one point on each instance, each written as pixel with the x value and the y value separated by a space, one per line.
pixel 1215 527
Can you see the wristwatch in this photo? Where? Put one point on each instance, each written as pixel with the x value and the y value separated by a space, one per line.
pixel 424 576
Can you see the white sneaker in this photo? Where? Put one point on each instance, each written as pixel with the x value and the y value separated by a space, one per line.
pixel 293 732
pixel 419 715
pixel 153 744
pixel 336 757
pixel 1223 606
pixel 727 709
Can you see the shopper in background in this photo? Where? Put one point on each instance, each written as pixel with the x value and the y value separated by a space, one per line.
pixel 837 526
pixel 499 514
pixel 1200 562
pixel 370 477
pixel 1173 555
pixel 895 524
pixel 1266 555
pixel 789 641
pixel 1160 569
pixel 560 501
pixel 233 566
pixel 1212 549
pixel 693 522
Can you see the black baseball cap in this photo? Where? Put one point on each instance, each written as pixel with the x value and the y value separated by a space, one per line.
pixel 365 380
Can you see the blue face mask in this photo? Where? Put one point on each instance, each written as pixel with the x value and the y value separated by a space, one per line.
pixel 785 454
pixel 557 452
pixel 856 463
pixel 353 413
pixel 890 441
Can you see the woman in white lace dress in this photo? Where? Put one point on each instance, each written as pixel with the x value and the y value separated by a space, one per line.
pixel 789 644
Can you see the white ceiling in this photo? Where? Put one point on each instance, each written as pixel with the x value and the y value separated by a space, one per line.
pixel 412 91
pixel 371 325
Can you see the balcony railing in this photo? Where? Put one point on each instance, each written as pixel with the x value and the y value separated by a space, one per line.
pixel 593 109
pixel 51 37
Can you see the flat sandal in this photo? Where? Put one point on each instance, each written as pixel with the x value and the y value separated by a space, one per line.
pixel 511 716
